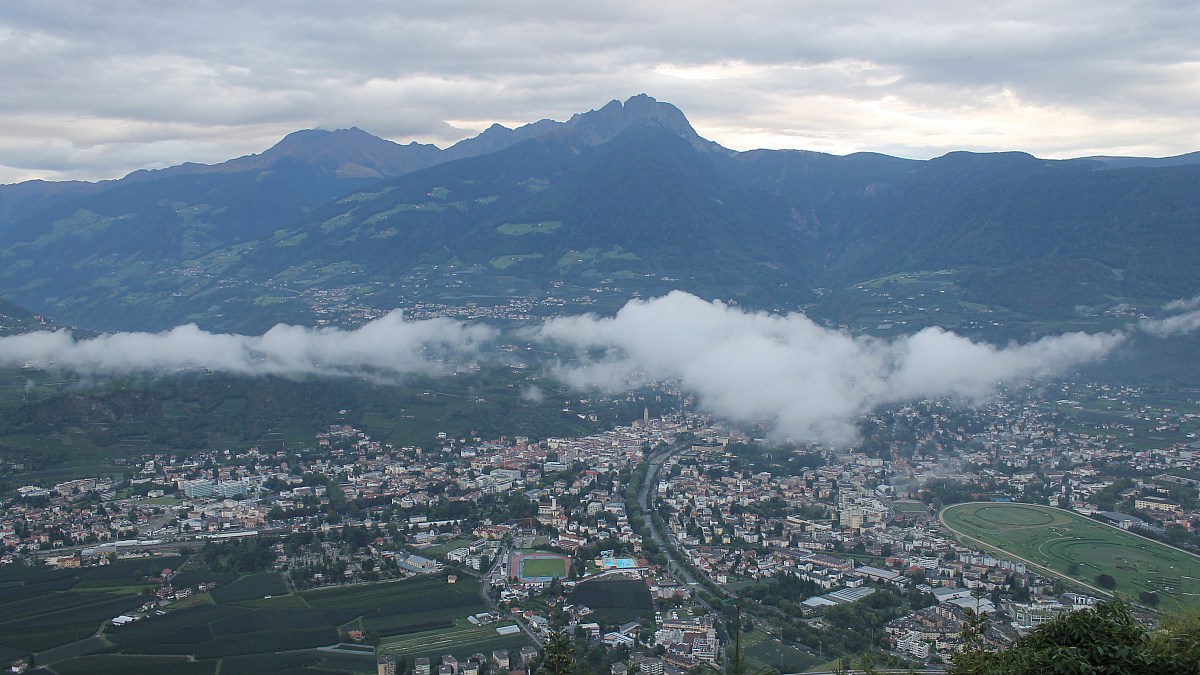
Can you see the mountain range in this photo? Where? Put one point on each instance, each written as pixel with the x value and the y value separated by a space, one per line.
pixel 620 201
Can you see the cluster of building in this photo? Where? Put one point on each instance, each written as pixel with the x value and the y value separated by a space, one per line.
pixel 500 661
pixel 732 517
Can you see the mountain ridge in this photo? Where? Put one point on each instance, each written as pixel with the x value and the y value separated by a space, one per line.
pixel 628 193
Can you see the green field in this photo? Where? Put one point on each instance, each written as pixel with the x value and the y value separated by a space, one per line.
pixel 236 629
pixel 506 261
pixel 614 602
pixel 462 640
pixel 116 664
pixel 1055 539
pixel 543 567
pixel 518 229
pixel 909 506
pixel 43 608
pixel 251 587
pixel 405 607
pixel 761 653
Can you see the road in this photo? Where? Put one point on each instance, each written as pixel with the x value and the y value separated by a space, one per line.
pixel 679 572
pixel 502 555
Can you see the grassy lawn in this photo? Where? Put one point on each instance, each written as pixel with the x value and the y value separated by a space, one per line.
pixel 1055 539
pixel 909 507
pixel 443 549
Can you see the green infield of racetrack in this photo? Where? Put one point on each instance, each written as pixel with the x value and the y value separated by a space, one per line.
pixel 1054 539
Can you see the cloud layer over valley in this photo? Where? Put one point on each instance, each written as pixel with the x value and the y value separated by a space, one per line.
pixel 805 380
pixel 386 347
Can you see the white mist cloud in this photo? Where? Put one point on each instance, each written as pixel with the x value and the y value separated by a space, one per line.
pixel 1182 304
pixel 533 394
pixel 1180 324
pixel 388 346
pixel 808 381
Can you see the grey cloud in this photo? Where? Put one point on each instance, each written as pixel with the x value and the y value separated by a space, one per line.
pixel 1182 304
pixel 808 381
pixel 1186 322
pixel 1181 324
pixel 384 348
pixel 533 394
pixel 1057 79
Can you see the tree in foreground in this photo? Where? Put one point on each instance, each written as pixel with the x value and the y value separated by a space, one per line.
pixel 1104 639
pixel 560 655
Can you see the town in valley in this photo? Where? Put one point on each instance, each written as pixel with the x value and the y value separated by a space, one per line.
pixel 670 544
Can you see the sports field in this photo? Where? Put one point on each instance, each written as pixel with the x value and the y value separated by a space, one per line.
pixel 538 566
pixel 543 567
pixel 1055 540
pixel 909 506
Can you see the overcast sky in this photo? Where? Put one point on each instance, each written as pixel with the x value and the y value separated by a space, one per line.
pixel 94 90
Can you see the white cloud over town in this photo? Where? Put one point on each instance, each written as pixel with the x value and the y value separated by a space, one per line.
pixel 807 381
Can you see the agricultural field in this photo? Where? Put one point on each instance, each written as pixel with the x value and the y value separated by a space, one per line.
pixel 304 661
pixel 761 653
pixel 43 608
pixel 506 261
pixel 215 631
pixel 462 640
pixel 402 607
pixel 62 616
pixel 614 602
pixel 342 660
pixel 114 664
pixel 1079 549
pixel 251 587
